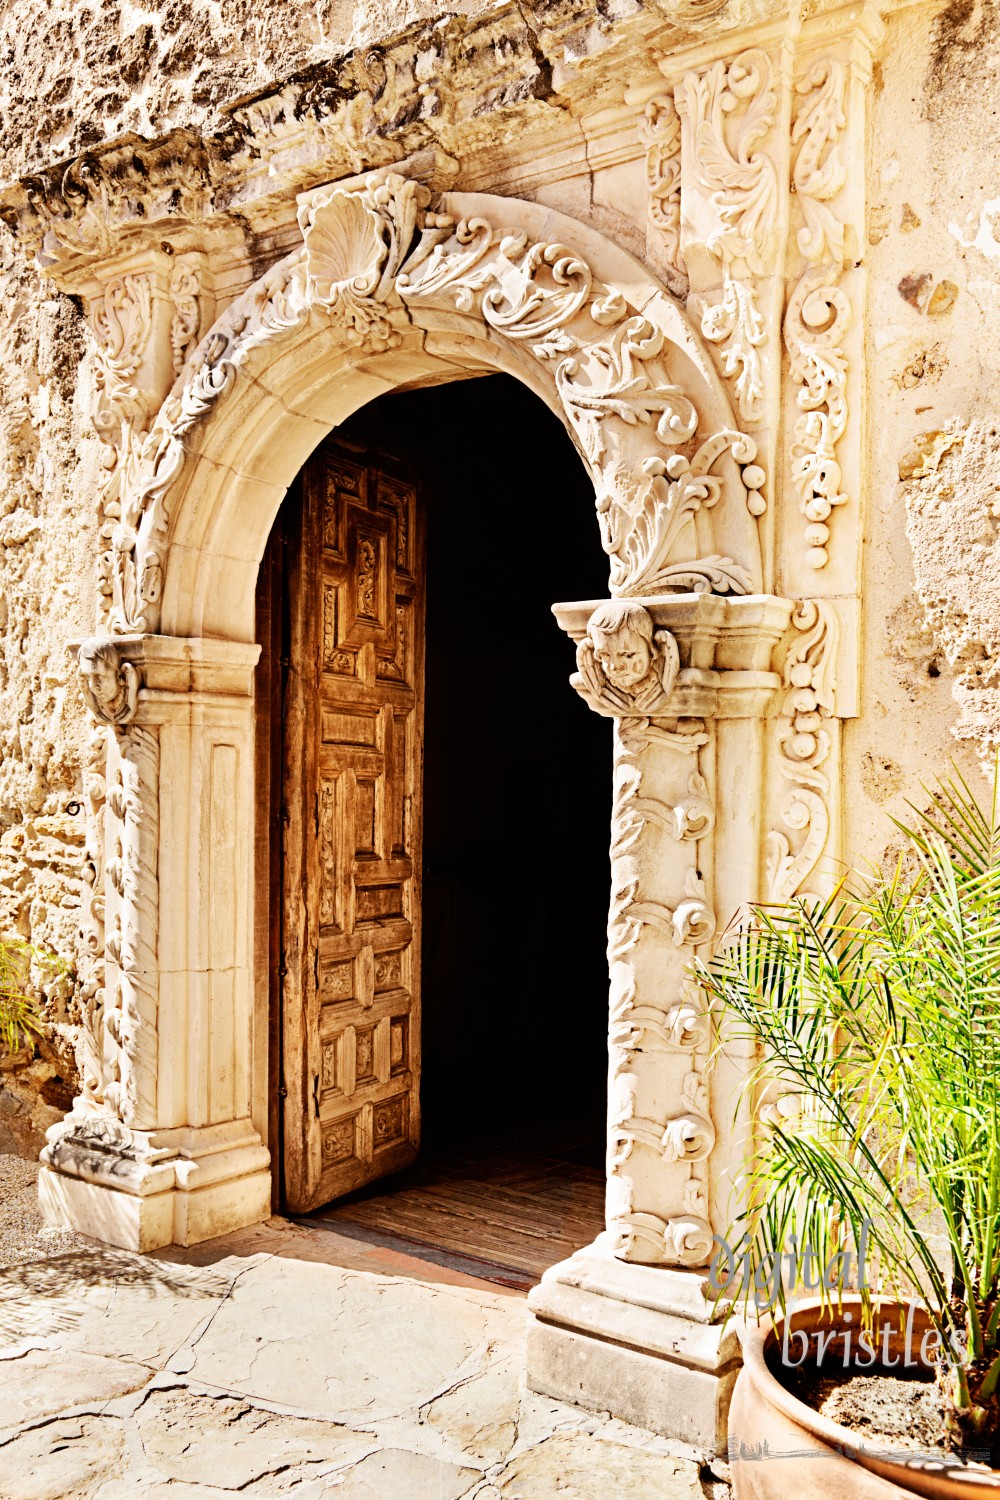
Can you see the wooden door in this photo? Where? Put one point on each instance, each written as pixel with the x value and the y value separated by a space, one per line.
pixel 353 727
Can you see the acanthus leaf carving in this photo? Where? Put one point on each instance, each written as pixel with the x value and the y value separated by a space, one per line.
pixel 815 322
pixel 818 171
pixel 373 255
pixel 185 294
pixel 672 500
pixel 729 108
pixel 660 133
pixel 737 325
pixel 607 386
pixel 819 311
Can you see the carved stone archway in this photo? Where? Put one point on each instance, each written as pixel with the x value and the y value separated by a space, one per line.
pixel 382 293
pixel 386 290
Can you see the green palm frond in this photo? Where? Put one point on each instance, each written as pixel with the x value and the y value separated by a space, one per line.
pixel 880 1007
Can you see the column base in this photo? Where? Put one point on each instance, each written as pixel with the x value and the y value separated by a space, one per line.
pixel 141 1190
pixel 641 1342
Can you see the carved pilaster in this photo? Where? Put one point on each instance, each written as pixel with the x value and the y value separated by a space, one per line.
pixel 160 1139
pixel 687 683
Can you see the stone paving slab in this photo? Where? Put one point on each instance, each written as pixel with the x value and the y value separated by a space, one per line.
pixel 286 1361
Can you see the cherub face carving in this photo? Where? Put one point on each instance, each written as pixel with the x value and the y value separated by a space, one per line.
pixel 624 657
pixel 110 686
pixel 101 676
pixel 622 636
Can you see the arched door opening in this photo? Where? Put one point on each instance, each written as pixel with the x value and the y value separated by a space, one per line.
pixel 514 806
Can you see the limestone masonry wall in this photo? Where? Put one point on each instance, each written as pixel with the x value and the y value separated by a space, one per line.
pixel 73 75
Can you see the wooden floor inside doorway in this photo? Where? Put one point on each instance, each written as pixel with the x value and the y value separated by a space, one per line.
pixel 500 1216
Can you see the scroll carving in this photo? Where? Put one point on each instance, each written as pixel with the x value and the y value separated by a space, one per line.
pixel 819 312
pixel 628 670
pixel 371 259
pixel 729 109
pixel 804 744
pixel 90 962
pixel 131 1002
pixel 660 132
pixel 185 295
pixel 122 321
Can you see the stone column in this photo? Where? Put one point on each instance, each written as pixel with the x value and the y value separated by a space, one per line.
pixel 159 1147
pixel 628 1325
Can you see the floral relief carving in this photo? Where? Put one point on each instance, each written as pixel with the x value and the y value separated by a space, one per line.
pixel 819 312
pixel 608 386
pixel 729 110
pixel 818 170
pixel 660 132
pixel 90 963
pixel 327 853
pixel 804 744
pixel 185 295
pixel 130 1014
pixel 122 320
pixel 370 259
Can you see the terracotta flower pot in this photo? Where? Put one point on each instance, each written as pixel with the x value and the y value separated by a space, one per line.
pixel 781 1449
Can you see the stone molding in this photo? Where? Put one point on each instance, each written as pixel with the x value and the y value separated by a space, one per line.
pixel 453 84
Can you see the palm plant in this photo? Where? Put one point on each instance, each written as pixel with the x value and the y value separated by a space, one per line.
pixel 18 1010
pixel 880 1009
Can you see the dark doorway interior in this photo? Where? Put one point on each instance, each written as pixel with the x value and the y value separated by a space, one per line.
pixel 516 809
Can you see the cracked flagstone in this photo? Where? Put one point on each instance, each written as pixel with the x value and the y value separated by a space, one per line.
pixel 291 1362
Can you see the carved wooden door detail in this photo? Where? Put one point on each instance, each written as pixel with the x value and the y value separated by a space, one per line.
pixel 352 825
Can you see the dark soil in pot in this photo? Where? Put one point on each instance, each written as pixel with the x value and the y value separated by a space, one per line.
pixel 881 1409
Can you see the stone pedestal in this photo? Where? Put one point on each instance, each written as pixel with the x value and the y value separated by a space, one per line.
pixel 644 1343
pixel 160 1148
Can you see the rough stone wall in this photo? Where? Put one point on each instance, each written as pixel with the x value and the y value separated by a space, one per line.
pixel 46 533
pixel 932 565
pixel 75 74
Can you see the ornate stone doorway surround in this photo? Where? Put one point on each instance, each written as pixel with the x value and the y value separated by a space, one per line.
pixel 688 656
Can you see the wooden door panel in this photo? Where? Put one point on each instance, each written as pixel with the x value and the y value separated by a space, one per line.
pixel 351 888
